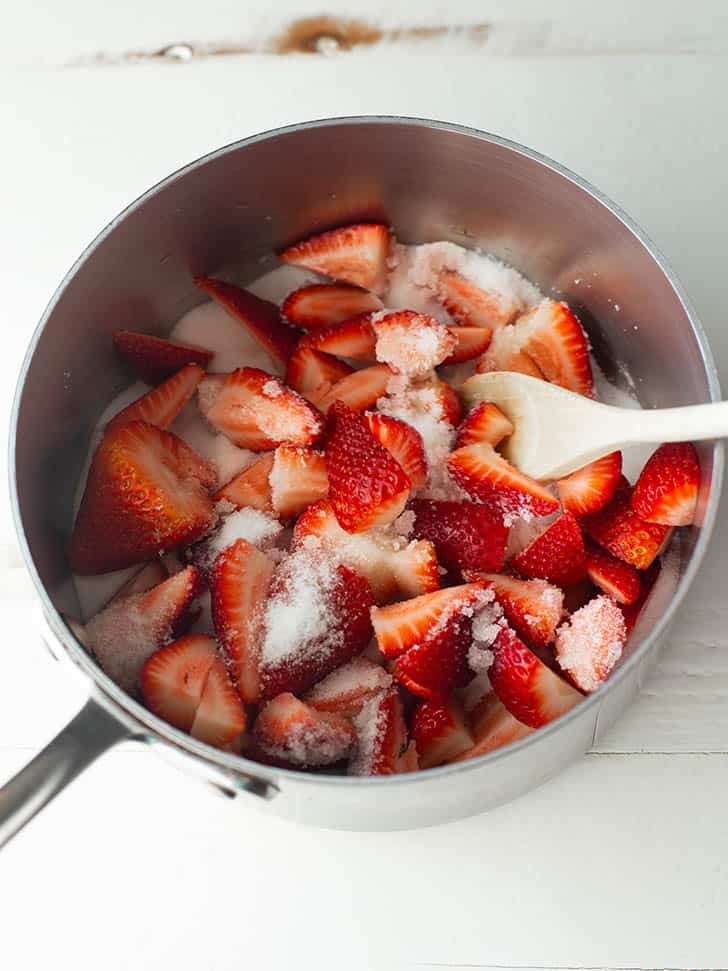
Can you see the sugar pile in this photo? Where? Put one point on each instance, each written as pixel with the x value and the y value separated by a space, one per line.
pixel 252 525
pixel 488 622
pixel 591 642
pixel 209 326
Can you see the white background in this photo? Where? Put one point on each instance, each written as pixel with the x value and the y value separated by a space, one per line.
pixel 621 862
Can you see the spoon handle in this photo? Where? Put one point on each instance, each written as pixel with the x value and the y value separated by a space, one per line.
pixel 690 423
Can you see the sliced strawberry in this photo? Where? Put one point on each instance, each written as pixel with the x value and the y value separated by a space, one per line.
pixel 220 718
pixel 472 306
pixel 485 424
pixel 261 318
pixel 412 343
pixel 449 402
pixel 356 254
pixel 532 607
pixel 666 491
pixel 162 404
pixel 357 391
pixel 296 733
pixel 557 554
pixel 431 669
pixel 555 340
pixel 256 410
pixel 154 359
pixel 347 689
pixel 367 486
pixel 531 692
pixel 239 584
pixel 297 479
pixel 506 353
pixel 492 726
pixel 323 304
pixel 439 732
pixel 466 535
pixel 591 642
pixel 471 343
pixel 381 738
pixel 615 577
pixel 146 492
pixel 485 475
pixel 353 338
pixel 590 488
pixel 621 532
pixel 404 443
pixel 251 487
pixel 308 369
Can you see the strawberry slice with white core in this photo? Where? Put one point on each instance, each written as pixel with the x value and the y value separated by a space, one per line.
pixel 323 304
pixel 666 491
pixel 411 343
pixel 557 554
pixel 308 369
pixel 220 717
pixel 466 535
pixel 492 726
pixel 620 531
pixel 251 487
pixel 162 404
pixel 485 424
pixel 357 391
pixel 353 338
pixel 297 479
pixel 591 642
pixel 381 747
pixel 404 443
pixel 532 607
pixel 294 732
pixel 154 359
pixel 506 353
pixel 472 306
pixel 555 340
pixel 355 254
pixel 590 488
pixel 347 689
pixel 530 691
pixel 615 577
pixel 471 343
pixel 256 410
pixel 440 732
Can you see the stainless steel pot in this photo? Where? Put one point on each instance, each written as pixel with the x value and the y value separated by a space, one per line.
pixel 230 210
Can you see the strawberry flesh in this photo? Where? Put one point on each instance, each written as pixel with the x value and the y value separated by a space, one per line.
pixel 666 491
pixel 472 306
pixel 251 487
pixel 162 404
pixel 309 369
pixel 347 689
pixel 615 577
pixel 353 338
pixel 404 443
pixel 486 424
pixel 412 343
pixel 532 607
pixel 357 391
pixel 589 489
pixel 296 733
pixel 355 254
pixel 297 478
pixel 591 642
pixel 471 343
pixel 323 304
pixel 439 732
pixel 488 477
pixel 382 738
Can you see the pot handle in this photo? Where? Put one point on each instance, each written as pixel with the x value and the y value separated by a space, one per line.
pixel 91 733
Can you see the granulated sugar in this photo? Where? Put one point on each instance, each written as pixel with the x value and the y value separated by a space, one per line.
pixel 227 458
pixel 349 687
pixel 487 623
pixel 412 344
pixel 591 643
pixel 370 724
pixel 250 524
pixel 211 327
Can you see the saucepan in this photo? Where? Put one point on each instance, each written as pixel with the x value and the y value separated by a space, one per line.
pixel 229 211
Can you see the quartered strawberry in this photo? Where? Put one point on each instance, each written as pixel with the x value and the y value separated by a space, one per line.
pixel 432 668
pixel 615 577
pixel 621 532
pixel 471 343
pixel 367 486
pixel 353 338
pixel 412 343
pixel 357 391
pixel 154 359
pixel 323 304
pixel 557 554
pixel 492 727
pixel 666 491
pixel 297 479
pixel 466 535
pixel 404 443
pixel 162 404
pixel 146 492
pixel 381 747
pixel 440 732
pixel 296 733
pixel 356 254
pixel 532 607
pixel 251 487
pixel 472 306
pixel 506 353
pixel 261 318
pixel 347 689
pixel 555 340
pixel 530 691
pixel 239 584
pixel 485 475
pixel 256 410
pixel 485 424
pixel 591 642
pixel 308 369
pixel 590 488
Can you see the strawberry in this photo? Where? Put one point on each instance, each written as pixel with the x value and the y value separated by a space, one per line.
pixel 367 486
pixel 472 306
pixel 404 443
pixel 466 535
pixel 591 642
pixel 555 340
pixel 261 318
pixel 382 738
pixel 432 668
pixel 309 369
pixel 631 612
pixel 666 491
pixel 412 343
pixel 154 359
pixel 353 338
pixel 256 410
pixel 493 727
pixel 297 479
pixel 615 577
pixel 347 689
pixel 357 391
pixel 146 492
pixel 557 554
pixel 162 404
pixel 449 402
pixel 356 254
pixel 532 607
pixel 290 730
pixel 439 732
pixel 251 487
pixel 506 353
pixel 239 584
pixel 529 690
pixel 485 475
pixel 590 488
pixel 149 576
pixel 471 343
pixel 485 424
pixel 323 304
pixel 620 531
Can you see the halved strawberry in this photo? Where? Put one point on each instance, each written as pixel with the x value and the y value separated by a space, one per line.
pixel 355 254
pixel 353 338
pixel 557 554
pixel 381 738
pixel 531 692
pixel 471 343
pixel 146 492
pixel 357 391
pixel 619 529
pixel 432 668
pixel 323 304
pixel 154 359
pixel 367 486
pixel 404 443
pixel 467 535
pixel 162 404
pixel 261 318
pixel 296 733
pixel 486 424
pixel 308 369
pixel 487 476
pixel 591 642
pixel 472 306
pixel 615 577
pixel 256 410
pixel 555 340
pixel 440 732
pixel 532 607
pixel 412 343
pixel 251 487
pixel 347 689
pixel 492 726
pixel 297 479
pixel 239 584
pixel 590 488
pixel 667 488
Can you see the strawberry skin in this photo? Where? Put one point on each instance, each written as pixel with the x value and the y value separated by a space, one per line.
pixel 557 554
pixel 466 535
pixel 357 391
pixel 439 732
pixel 404 443
pixel 486 476
pixel 309 369
pixel 291 731
pixel 355 254
pixel 615 577
pixel 590 488
pixel 471 343
pixel 323 304
pixel 492 726
pixel 154 359
pixel 620 531
pixel 353 338
pixel 162 404
pixel 532 607
pixel 555 340
pixel 431 669
pixel 666 491
pixel 485 424
pixel 251 487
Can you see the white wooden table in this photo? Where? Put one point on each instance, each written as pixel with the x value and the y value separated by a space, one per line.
pixel 621 862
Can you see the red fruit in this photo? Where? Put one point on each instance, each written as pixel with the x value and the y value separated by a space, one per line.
pixel 261 318
pixel 357 391
pixel 297 479
pixel 485 424
pixel 557 554
pixel 404 443
pixel 308 369
pixel 367 487
pixel 146 493
pixel 440 732
pixel 353 338
pixel 555 340
pixel 619 529
pixel 532 607
pixel 492 726
pixel 667 489
pixel 257 411
pixel 355 254
pixel 431 669
pixel 347 689
pixel 591 642
pixel 323 304
pixel 154 359
pixel 590 488
pixel 162 404
pixel 449 402
pixel 471 343
pixel 485 475
pixel 620 580
pixel 382 738
pixel 466 535
pixel 289 730
pixel 530 691
pixel 251 487
pixel 472 306
pixel 412 343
